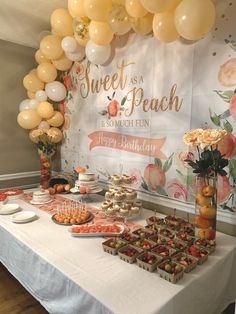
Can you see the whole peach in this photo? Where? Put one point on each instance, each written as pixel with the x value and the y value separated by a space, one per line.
pixel 208 191
pixel 207 234
pixel 207 212
pixel 202 200
pixel 203 222
pixel 154 176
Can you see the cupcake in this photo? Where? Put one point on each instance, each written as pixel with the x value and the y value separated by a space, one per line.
pixel 135 210
pixel 138 204
pixel 116 180
pixel 109 195
pixel 106 205
pixel 126 179
pixel 131 195
pixel 124 211
pixel 119 196
pixel 116 208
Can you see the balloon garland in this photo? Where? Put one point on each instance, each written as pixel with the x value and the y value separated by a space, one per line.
pixel 87 29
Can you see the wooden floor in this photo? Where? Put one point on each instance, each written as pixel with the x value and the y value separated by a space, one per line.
pixel 14 299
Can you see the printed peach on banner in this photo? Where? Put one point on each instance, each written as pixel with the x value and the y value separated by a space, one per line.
pixel 128 143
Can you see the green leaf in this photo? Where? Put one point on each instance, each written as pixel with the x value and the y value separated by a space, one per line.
pixel 144 185
pixel 225 95
pixel 225 207
pixel 228 127
pixel 222 172
pixel 231 43
pixel 188 180
pixel 232 168
pixel 113 95
pixel 161 191
pixel 168 163
pixel 158 162
pixel 103 113
pixel 215 119
pixel 123 101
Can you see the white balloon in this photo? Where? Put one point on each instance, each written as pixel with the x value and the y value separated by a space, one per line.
pixel 33 103
pixel 55 90
pixel 25 104
pixel 97 54
pixel 69 44
pixel 78 55
pixel 44 125
pixel 40 95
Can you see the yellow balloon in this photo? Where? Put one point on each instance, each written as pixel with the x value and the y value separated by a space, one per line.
pixel 32 83
pixel 61 22
pixel 76 8
pixel 98 10
pixel 120 2
pixel 194 19
pixel 55 134
pixel 56 120
pixel 142 25
pixel 45 110
pixel 63 63
pixel 30 94
pixel 28 119
pixel 157 6
pixel 33 136
pixel 100 33
pixel 173 5
pixel 135 8
pixel 46 72
pixel 119 20
pixel 40 57
pixel 81 30
pixel 164 27
pixel 50 46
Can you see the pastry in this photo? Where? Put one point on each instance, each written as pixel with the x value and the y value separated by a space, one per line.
pixel 119 196
pixel 135 210
pixel 131 195
pixel 109 195
pixel 126 179
pixel 106 205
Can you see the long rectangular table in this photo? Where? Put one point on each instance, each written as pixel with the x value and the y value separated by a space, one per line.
pixel 74 275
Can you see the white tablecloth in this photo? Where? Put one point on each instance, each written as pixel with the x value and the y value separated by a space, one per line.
pixel 74 275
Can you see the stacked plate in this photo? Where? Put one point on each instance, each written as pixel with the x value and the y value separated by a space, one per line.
pixel 9 209
pixel 23 217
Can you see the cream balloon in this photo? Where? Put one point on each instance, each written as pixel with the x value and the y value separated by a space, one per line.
pixel 31 95
pixel 32 83
pixel 194 19
pixel 69 44
pixel 45 110
pixel 142 25
pixel 164 27
pixel 78 55
pixel 156 6
pixel 33 136
pixel 40 57
pixel 40 95
pixel 50 46
pixel 120 2
pixel 28 119
pixel 33 103
pixel 44 125
pixel 56 91
pixel 76 8
pixel 63 63
pixel 100 33
pixel 135 8
pixel 119 20
pixel 46 72
pixel 55 134
pixel 56 120
pixel 61 22
pixel 81 30
pixel 24 105
pixel 97 10
pixel 97 54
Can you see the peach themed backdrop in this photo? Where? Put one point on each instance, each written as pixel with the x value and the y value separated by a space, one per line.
pixel 129 116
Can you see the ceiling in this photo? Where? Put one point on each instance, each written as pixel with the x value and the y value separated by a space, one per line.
pixel 26 21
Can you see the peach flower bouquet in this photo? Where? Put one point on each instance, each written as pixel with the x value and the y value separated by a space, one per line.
pixel 209 164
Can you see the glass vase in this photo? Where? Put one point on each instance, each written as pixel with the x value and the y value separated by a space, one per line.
pixel 45 170
pixel 206 207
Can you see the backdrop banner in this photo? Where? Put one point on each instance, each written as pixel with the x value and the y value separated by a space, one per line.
pixel 129 116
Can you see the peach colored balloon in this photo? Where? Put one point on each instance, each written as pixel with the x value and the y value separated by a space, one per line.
pixel 76 8
pixel 97 10
pixel 32 83
pixel 40 57
pixel 100 33
pixel 173 5
pixel 45 110
pixel 33 136
pixel 50 46
pixel 31 95
pixel 61 22
pixel 134 8
pixel 46 72
pixel 56 120
pixel 63 63
pixel 120 2
pixel 55 134
pixel 28 119
pixel 142 25
pixel 194 19
pixel 164 27
pixel 157 6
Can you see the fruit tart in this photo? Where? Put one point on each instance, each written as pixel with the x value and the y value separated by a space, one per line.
pixel 156 220
pixel 176 244
pixel 198 252
pixel 143 232
pixel 144 244
pixel 112 246
pixel 167 233
pixel 129 237
pixel 184 236
pixel 163 251
pixel 207 244
pixel 129 253
pixel 187 261
pixel 158 239
pixel 170 271
pixel 148 261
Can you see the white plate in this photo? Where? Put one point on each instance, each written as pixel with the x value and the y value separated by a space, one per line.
pixel 76 191
pixel 98 234
pixel 40 203
pixel 22 217
pixel 9 209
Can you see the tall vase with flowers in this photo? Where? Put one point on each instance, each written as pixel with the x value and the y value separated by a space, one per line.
pixel 207 166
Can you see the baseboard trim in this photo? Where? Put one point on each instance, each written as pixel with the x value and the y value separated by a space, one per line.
pixel 19 175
